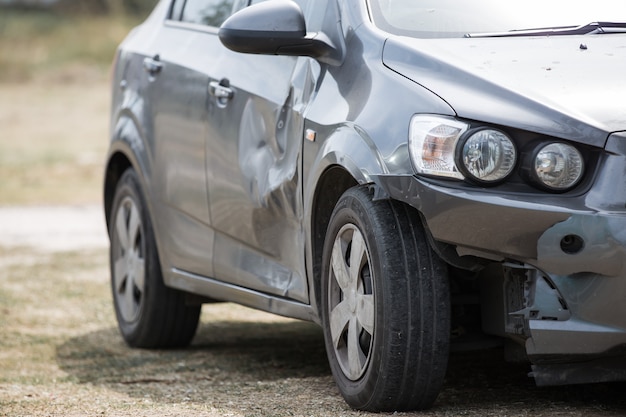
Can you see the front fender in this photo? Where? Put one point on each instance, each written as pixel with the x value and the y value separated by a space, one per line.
pixel 350 149
pixel 344 159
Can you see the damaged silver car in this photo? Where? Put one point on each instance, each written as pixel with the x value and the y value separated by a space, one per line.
pixel 413 175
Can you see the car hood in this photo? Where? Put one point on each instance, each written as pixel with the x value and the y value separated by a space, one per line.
pixel 571 87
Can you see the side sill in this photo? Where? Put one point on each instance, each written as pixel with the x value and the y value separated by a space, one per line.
pixel 222 291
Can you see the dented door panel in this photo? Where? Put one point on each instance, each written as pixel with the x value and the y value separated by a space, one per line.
pixel 254 166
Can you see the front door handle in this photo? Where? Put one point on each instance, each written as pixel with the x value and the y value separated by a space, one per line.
pixel 152 65
pixel 221 91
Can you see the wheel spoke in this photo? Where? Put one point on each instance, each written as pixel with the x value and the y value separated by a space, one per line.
pixel 122 228
pixel 120 273
pixel 339 318
pixel 365 312
pixel 139 270
pixel 126 300
pixel 134 223
pixel 340 269
pixel 351 302
pixel 129 265
pixel 354 350
pixel 357 255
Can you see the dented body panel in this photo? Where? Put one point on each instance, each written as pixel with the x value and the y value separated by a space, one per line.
pixel 572 306
pixel 243 157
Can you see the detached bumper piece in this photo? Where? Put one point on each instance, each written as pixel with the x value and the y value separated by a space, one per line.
pixel 563 342
pixel 584 372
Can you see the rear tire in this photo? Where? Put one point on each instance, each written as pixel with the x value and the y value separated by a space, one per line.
pixel 149 314
pixel 385 305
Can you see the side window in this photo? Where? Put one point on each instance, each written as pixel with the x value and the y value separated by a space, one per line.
pixel 208 12
pixel 177 9
pixel 299 2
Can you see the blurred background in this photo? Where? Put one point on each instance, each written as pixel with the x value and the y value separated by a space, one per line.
pixel 60 351
pixel 55 58
pixel 134 7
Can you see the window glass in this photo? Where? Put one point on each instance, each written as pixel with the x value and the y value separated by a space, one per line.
pixel 210 12
pixel 455 18
pixel 177 9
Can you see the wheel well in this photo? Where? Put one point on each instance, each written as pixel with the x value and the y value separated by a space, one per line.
pixel 117 165
pixel 333 183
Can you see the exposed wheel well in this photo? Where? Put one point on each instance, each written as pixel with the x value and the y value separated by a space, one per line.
pixel 117 165
pixel 333 183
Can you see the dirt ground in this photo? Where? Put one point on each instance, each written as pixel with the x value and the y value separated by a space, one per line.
pixel 61 353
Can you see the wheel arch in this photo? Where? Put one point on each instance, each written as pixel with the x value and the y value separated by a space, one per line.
pixel 127 150
pixel 333 182
pixel 347 157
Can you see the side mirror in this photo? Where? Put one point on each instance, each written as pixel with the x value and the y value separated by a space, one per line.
pixel 275 27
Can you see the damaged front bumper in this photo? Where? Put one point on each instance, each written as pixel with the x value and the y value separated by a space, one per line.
pixel 556 274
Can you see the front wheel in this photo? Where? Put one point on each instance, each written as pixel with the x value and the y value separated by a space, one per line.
pixel 385 305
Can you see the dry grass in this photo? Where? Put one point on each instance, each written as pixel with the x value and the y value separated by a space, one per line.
pixel 53 142
pixel 54 106
pixel 61 354
pixel 42 45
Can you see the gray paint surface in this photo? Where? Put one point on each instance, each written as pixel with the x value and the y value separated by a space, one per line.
pixel 234 185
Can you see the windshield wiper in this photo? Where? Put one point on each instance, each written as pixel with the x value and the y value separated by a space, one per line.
pixel 588 29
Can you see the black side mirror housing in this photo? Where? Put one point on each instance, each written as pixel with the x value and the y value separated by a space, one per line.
pixel 275 27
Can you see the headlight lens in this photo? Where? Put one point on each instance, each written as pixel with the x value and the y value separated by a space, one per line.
pixel 558 166
pixel 447 147
pixel 488 155
pixel 432 145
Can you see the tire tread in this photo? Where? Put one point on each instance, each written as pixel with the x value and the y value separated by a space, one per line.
pixel 166 321
pixel 416 279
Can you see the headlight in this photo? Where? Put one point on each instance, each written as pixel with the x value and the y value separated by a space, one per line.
pixel 447 147
pixel 487 155
pixel 557 166
pixel 432 145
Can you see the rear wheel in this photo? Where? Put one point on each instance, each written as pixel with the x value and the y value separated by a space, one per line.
pixel 385 305
pixel 149 314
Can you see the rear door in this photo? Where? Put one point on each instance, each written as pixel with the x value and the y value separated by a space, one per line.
pixel 184 54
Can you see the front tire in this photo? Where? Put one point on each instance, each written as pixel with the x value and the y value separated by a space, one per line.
pixel 149 314
pixel 385 305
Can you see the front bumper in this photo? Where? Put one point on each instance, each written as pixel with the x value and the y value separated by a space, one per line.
pixel 572 254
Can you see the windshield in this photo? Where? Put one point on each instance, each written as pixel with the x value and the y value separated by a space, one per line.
pixel 456 18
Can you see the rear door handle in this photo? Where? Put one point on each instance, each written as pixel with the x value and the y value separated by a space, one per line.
pixel 152 65
pixel 221 91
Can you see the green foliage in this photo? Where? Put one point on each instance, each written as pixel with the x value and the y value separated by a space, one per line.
pixel 133 8
pixel 139 7
pixel 15 23
pixel 35 42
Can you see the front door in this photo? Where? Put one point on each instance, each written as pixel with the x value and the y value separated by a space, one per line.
pixel 254 172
